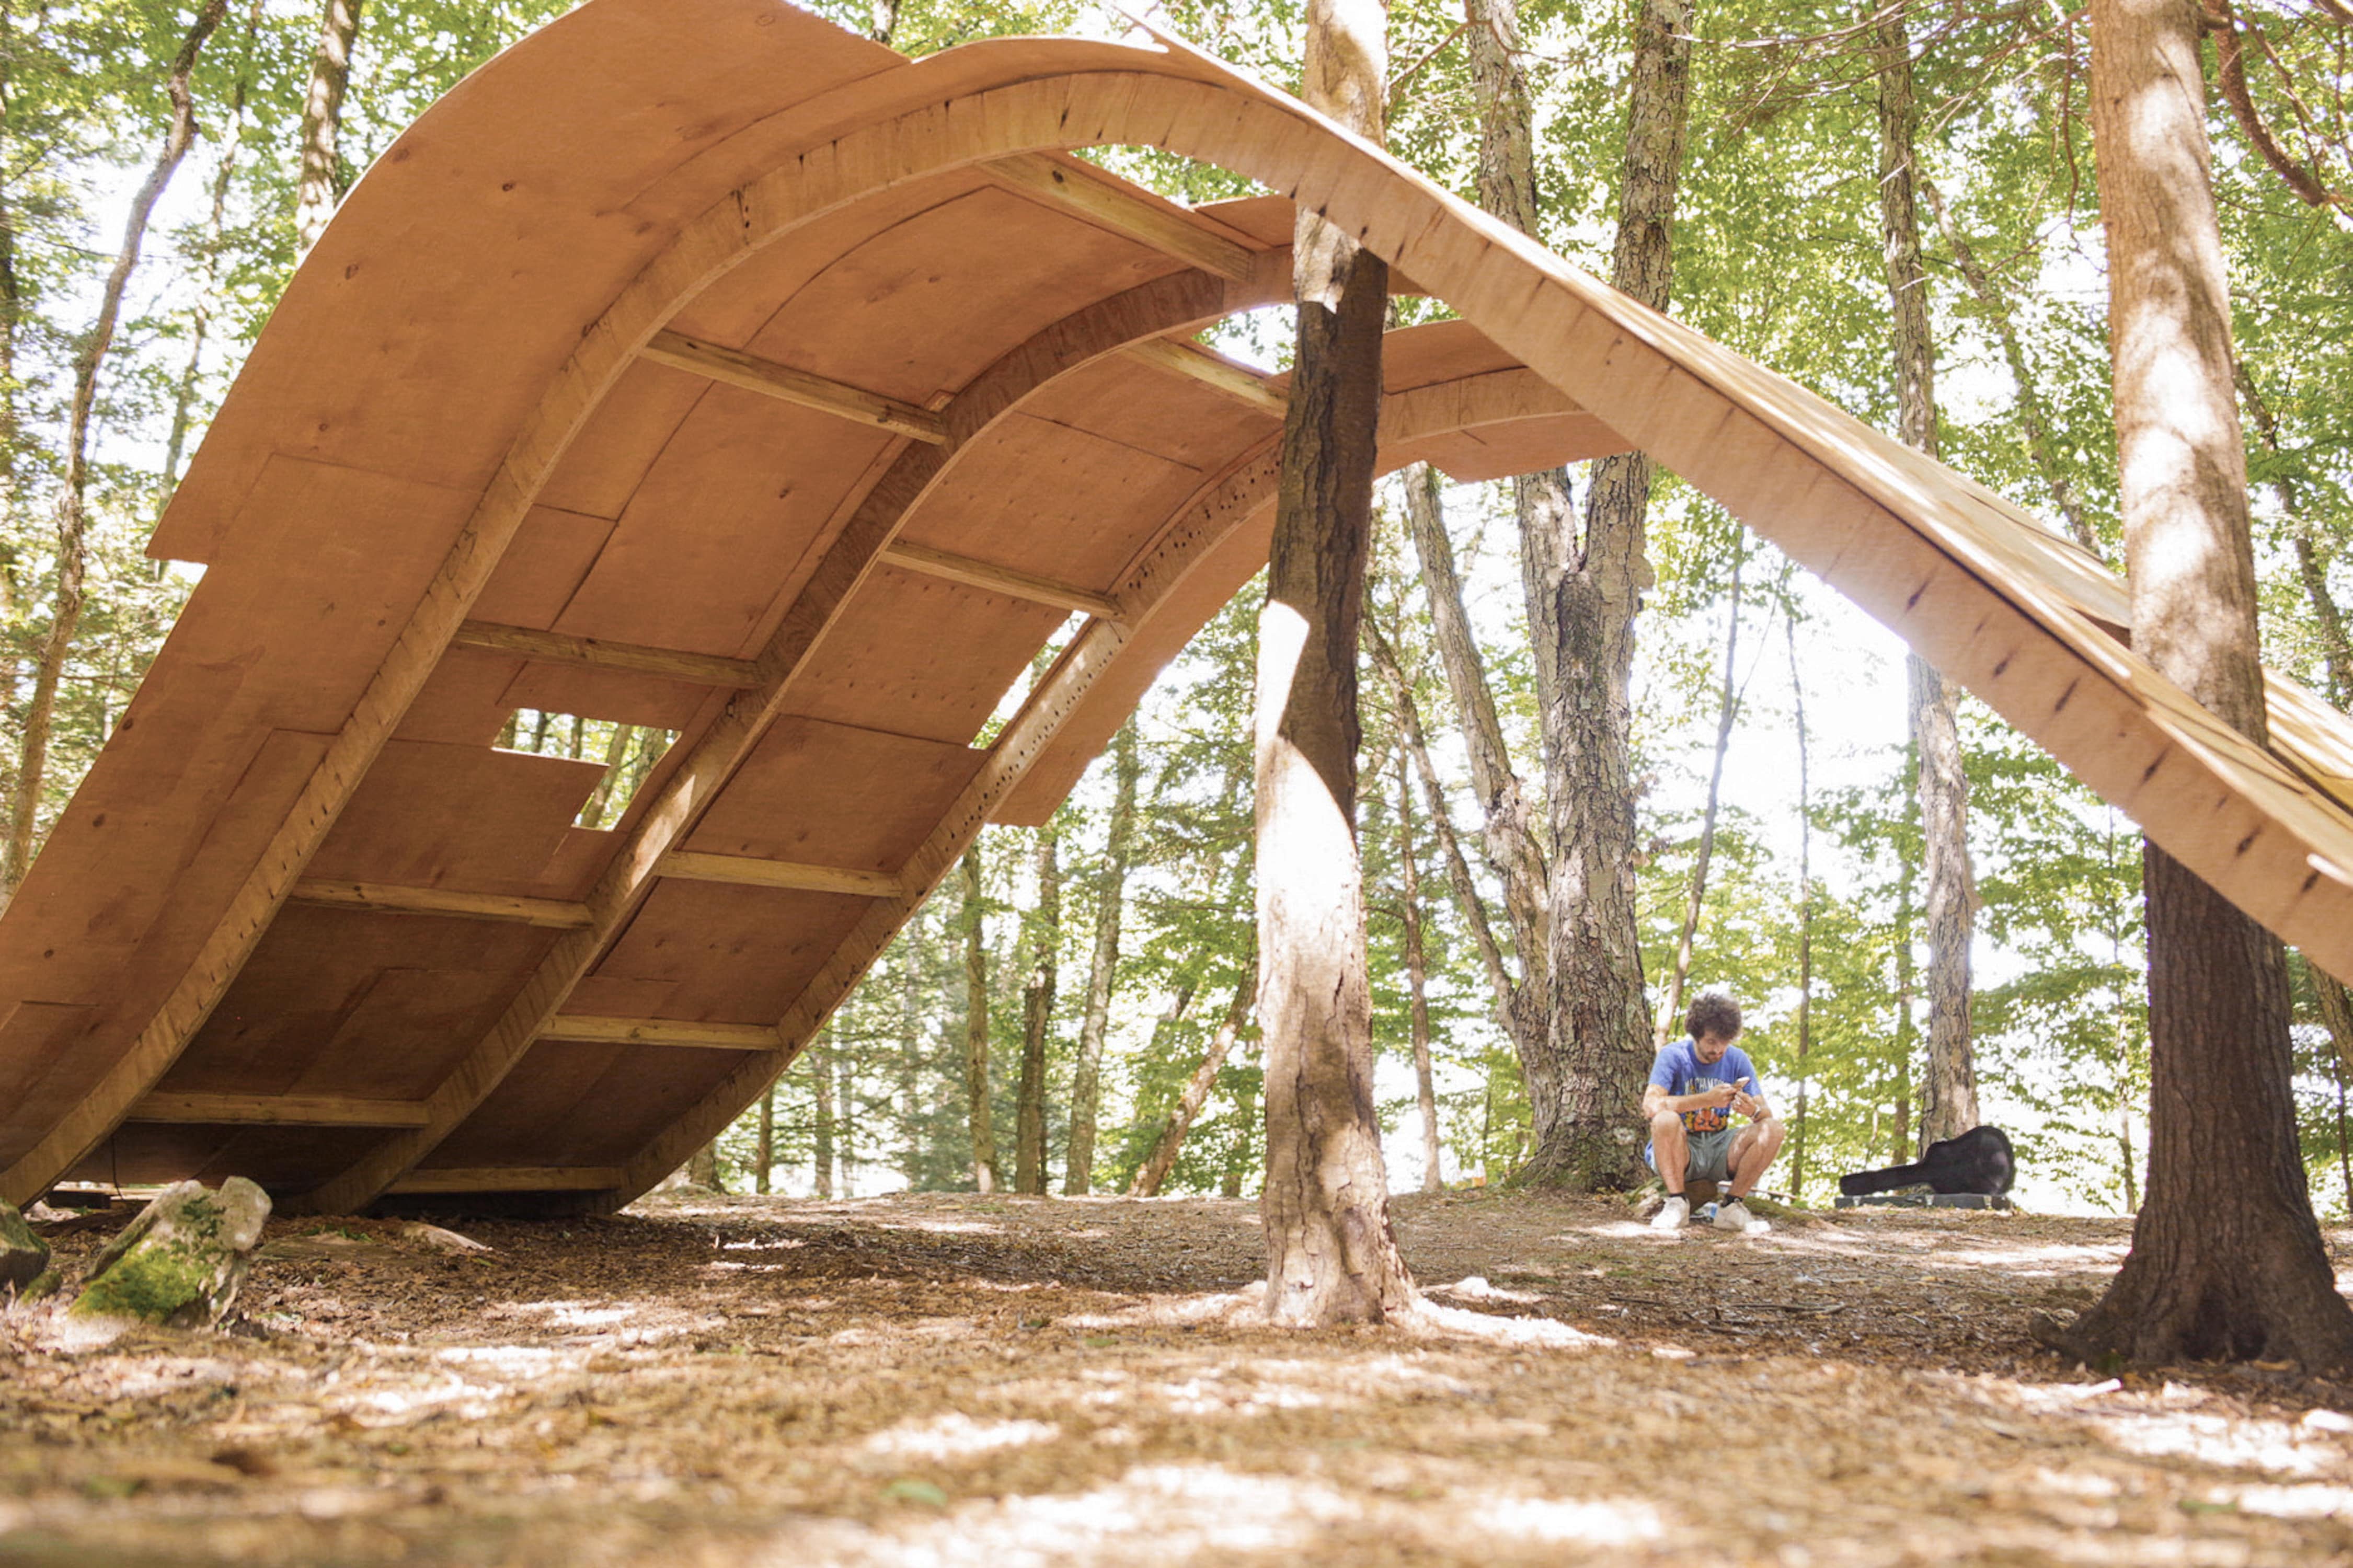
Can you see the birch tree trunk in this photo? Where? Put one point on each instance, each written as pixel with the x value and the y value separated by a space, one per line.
pixel 1948 1092
pixel 2227 1260
pixel 1331 1257
pixel 975 1029
pixel 1179 1125
pixel 1086 1092
pixel 1585 1091
pixel 1417 982
pixel 73 495
pixel 315 190
pixel 1038 1018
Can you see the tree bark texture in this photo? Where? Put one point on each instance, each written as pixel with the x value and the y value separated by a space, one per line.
pixel 1196 1094
pixel 1417 983
pixel 316 191
pixel 976 1027
pixel 1948 1099
pixel 1038 1018
pixel 73 520
pixel 762 1176
pixel 1111 893
pixel 2227 1259
pixel 1584 1088
pixel 1331 1257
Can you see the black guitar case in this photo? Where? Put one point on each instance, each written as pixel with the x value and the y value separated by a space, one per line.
pixel 1979 1161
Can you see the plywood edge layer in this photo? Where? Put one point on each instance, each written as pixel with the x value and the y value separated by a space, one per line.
pixel 508 1179
pixel 663 1032
pixel 555 648
pixel 737 368
pixel 385 898
pixel 278 1111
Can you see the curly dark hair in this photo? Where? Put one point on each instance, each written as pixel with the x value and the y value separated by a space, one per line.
pixel 1714 1013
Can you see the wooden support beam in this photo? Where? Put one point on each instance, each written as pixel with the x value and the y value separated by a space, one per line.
pixel 1002 580
pixel 750 871
pixel 554 914
pixel 1163 225
pixel 1192 361
pixel 555 648
pixel 661 1032
pixel 737 368
pixel 509 1179
pixel 278 1110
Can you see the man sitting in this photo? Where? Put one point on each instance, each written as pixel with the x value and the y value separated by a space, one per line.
pixel 1696 1086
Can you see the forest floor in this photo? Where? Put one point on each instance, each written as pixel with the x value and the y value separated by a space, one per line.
pixel 938 1378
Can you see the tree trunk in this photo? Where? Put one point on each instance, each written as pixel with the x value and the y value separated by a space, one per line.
pixel 1086 1077
pixel 1331 1257
pixel 73 549
pixel 1038 1019
pixel 1171 1142
pixel 316 191
pixel 845 1122
pixel 1458 869
pixel 910 1116
pixel 1907 988
pixel 1728 715
pixel 1804 916
pixel 975 1029
pixel 2032 410
pixel 2227 1259
pixel 2311 554
pixel 1509 840
pixel 1948 1096
pixel 1585 1089
pixel 1417 977
pixel 763 1174
pixel 820 1061
pixel 600 799
pixel 703 1168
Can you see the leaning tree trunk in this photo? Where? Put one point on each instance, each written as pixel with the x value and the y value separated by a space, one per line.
pixel 975 1027
pixel 1038 1019
pixel 1086 1075
pixel 820 1064
pixel 1331 1257
pixel 73 519
pixel 1585 1091
pixel 1196 1094
pixel 316 190
pixel 1417 983
pixel 2227 1259
pixel 1728 715
pixel 1805 914
pixel 1948 1092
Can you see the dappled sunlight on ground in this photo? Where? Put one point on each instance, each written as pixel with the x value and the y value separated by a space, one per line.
pixel 932 1379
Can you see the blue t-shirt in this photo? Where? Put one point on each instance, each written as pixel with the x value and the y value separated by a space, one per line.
pixel 1678 1069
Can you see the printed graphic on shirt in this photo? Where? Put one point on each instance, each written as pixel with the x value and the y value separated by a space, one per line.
pixel 1713 1120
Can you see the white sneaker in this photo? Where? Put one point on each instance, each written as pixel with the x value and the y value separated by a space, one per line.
pixel 1674 1216
pixel 1734 1215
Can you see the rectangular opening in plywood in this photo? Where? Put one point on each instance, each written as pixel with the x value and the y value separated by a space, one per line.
pixel 1017 694
pixel 627 751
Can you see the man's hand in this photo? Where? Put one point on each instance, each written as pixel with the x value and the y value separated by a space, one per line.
pixel 1715 1098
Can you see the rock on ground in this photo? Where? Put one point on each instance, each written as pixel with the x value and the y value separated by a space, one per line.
pixel 182 1260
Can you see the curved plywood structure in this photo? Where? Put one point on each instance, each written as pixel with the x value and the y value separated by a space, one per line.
pixel 697 365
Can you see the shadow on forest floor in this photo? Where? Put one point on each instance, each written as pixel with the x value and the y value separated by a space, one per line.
pixel 935 1379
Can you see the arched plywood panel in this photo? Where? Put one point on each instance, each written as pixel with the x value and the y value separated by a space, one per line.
pixel 901 253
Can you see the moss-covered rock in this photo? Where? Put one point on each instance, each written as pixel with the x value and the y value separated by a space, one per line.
pixel 182 1260
pixel 24 1256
